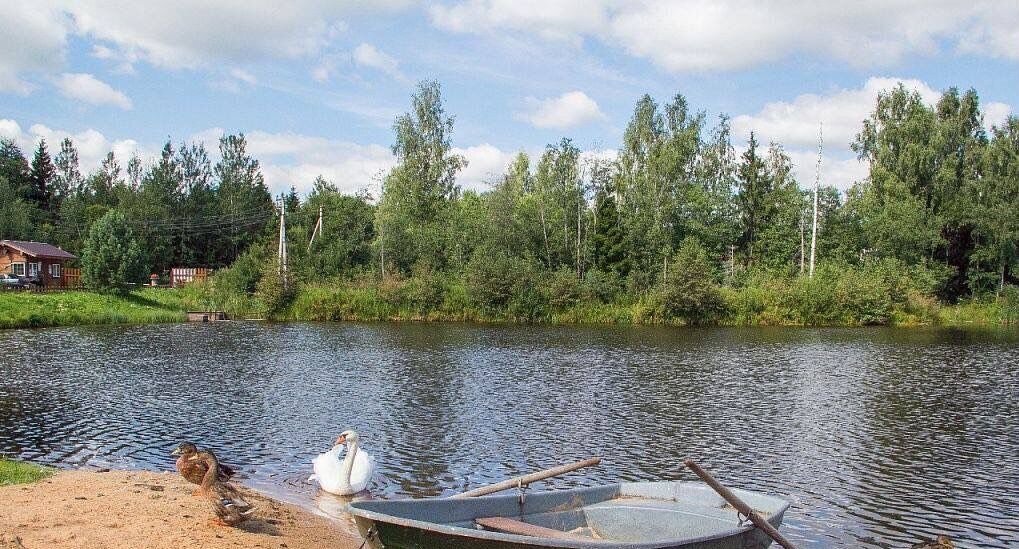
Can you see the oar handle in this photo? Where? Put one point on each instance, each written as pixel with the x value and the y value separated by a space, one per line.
pixel 527 479
pixel 740 506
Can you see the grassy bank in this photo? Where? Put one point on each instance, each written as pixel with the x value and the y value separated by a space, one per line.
pixel 36 310
pixel 848 301
pixel 804 304
pixel 17 472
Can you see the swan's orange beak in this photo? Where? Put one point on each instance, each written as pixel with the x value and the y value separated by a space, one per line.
pixel 341 440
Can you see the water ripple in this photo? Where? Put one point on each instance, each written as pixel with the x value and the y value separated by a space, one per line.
pixel 879 437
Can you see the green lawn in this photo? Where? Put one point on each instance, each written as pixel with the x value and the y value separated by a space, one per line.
pixel 17 472
pixel 37 310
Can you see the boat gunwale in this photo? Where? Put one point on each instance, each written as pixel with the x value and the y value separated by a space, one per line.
pixel 468 533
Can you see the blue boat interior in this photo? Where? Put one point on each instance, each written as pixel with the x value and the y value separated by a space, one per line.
pixel 626 513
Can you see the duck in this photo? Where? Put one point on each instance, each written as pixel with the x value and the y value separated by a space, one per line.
pixel 230 508
pixel 350 476
pixel 194 470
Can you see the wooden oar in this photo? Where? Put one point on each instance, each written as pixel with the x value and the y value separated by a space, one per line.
pixel 740 506
pixel 527 479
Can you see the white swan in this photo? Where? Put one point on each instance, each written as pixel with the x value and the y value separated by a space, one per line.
pixel 350 476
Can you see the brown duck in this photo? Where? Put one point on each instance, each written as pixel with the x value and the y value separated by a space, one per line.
pixel 194 470
pixel 227 503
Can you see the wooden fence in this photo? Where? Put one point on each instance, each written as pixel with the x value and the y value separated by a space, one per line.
pixel 71 278
pixel 180 276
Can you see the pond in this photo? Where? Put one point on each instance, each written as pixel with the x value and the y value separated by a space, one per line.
pixel 880 437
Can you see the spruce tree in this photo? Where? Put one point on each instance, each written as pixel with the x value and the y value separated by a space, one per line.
pixel 40 176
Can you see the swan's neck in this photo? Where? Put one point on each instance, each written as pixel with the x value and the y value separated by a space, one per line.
pixel 348 461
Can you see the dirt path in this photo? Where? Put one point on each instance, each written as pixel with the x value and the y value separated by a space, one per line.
pixel 133 510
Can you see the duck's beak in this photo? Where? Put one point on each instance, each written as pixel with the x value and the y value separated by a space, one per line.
pixel 176 452
pixel 341 440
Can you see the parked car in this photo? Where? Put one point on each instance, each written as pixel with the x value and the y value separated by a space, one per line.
pixel 8 280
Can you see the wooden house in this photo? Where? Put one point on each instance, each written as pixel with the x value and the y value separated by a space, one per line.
pixel 43 264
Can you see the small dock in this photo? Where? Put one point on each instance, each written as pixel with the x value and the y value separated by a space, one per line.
pixel 206 316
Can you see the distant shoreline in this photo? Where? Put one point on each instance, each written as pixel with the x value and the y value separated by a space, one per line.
pixel 20 310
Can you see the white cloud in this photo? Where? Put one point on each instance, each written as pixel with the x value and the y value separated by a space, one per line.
pixel 234 81
pixel 244 76
pixel 684 35
pixel 795 125
pixel 569 110
pixel 87 88
pixel 32 38
pixel 838 170
pixel 195 33
pixel 291 159
pixel 996 114
pixel 325 68
pixel 367 55
pixel 485 164
pixel 557 20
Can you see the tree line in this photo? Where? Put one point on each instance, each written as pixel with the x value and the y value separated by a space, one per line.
pixel 182 209
pixel 677 214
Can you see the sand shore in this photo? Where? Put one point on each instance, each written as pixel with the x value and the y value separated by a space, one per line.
pixel 134 509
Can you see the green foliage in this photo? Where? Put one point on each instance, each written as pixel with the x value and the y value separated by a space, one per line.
pixel 347 232
pixel 274 290
pixel 644 237
pixel 1008 299
pixel 111 257
pixel 14 168
pixel 689 292
pixel 414 211
pixel 425 289
pixel 602 286
pixel 40 177
pixel 15 214
pixel 242 277
pixel 562 290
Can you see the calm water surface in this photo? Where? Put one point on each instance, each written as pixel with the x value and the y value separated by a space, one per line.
pixel 880 437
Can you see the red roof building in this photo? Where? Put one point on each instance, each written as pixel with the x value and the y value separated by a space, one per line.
pixel 38 261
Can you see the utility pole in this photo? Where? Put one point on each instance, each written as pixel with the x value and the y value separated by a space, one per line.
pixel 317 230
pixel 732 262
pixel 817 184
pixel 283 268
pixel 382 251
pixel 803 248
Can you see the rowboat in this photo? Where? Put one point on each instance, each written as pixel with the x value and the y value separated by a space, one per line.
pixel 640 515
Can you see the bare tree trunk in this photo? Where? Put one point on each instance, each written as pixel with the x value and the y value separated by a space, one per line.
pixel 578 237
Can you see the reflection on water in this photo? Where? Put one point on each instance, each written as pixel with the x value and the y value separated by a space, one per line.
pixel 880 437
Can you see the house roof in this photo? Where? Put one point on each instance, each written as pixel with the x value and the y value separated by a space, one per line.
pixel 38 249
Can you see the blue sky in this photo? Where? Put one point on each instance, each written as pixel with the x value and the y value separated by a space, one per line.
pixel 316 84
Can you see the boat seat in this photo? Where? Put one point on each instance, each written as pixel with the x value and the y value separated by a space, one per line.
pixel 513 526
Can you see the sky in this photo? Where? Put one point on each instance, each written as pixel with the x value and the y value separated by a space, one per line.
pixel 316 84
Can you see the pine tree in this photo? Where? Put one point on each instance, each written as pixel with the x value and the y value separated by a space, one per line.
pixel 608 241
pixel 111 257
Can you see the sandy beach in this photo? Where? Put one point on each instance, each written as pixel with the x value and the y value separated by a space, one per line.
pixel 134 509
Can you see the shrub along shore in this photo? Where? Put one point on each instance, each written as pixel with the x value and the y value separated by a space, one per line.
pixel 833 297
